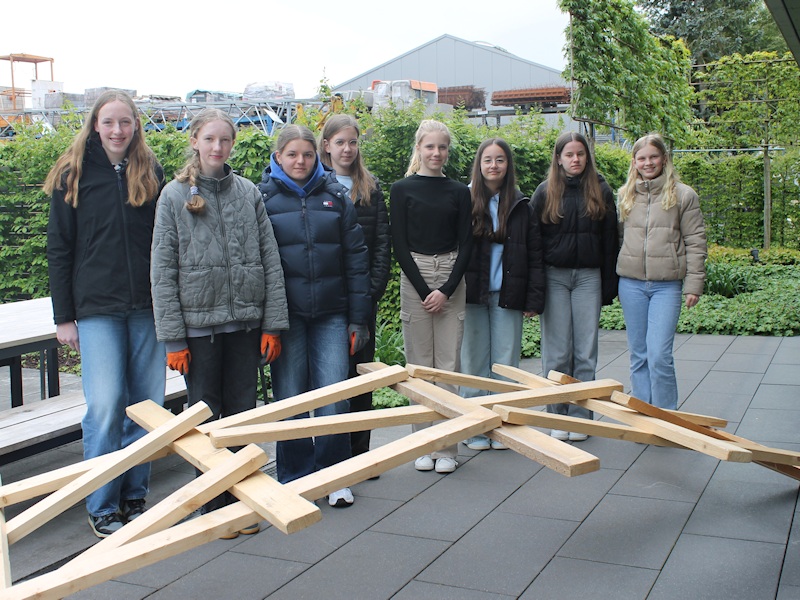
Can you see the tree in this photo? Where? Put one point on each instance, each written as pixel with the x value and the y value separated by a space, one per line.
pixel 715 28
pixel 624 75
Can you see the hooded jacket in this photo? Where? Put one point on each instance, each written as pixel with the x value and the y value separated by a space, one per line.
pixel 523 285
pixel 219 266
pixel 577 241
pixel 321 245
pixel 98 254
pixel 374 221
pixel 659 245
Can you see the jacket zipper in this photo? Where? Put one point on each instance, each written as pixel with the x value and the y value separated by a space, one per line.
pixel 646 227
pixel 118 170
pixel 225 249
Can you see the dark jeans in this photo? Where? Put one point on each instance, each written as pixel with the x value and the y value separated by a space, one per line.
pixel 359 440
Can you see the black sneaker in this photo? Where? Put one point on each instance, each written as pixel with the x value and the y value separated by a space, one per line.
pixel 105 525
pixel 132 508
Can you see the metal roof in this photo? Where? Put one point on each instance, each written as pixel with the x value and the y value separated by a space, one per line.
pixel 787 16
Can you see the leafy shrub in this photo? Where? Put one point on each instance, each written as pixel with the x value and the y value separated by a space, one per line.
pixel 531 338
pixel 389 348
pixel 728 280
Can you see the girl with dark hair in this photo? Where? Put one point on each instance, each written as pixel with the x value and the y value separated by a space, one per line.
pixel 505 278
pixel 104 190
pixel 339 150
pixel 325 264
pixel 218 289
pixel 576 211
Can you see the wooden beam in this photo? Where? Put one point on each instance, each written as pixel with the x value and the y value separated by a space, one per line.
pixel 377 461
pixel 675 433
pixel 327 425
pixel 106 470
pixel 522 376
pixel 5 564
pixel 308 401
pixel 460 379
pixel 268 498
pixel 614 431
pixel 135 555
pixel 184 501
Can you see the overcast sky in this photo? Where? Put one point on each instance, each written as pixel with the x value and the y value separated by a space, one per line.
pixel 171 47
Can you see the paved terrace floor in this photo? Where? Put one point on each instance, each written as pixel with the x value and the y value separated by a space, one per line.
pixel 652 523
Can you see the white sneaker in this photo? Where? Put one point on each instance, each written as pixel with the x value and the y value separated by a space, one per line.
pixel 424 463
pixel 559 434
pixel 446 465
pixel 577 437
pixel 341 498
pixel 479 442
pixel 498 445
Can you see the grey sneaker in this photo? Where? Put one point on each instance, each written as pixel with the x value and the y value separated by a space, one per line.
pixel 105 525
pixel 132 508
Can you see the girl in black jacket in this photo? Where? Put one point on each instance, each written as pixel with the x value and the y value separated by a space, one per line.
pixel 579 233
pixel 338 149
pixel 505 277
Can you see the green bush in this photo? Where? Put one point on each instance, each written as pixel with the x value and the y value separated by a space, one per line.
pixel 531 338
pixel 727 280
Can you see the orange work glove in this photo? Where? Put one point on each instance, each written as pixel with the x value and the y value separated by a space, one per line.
pixel 270 347
pixel 179 361
pixel 359 336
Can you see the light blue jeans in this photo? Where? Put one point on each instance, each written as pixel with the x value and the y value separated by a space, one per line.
pixel 315 353
pixel 570 328
pixel 651 310
pixel 122 363
pixel 491 335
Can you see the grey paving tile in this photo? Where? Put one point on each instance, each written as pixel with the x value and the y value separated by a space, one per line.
pixel 613 335
pixel 709 567
pixel 693 369
pixel 613 454
pixel 532 365
pixel 113 589
pixel 619 373
pixel 553 496
pixel 730 407
pixel 233 575
pixel 777 396
pixel 692 351
pixel 788 352
pixel 312 544
pixel 744 511
pixel 791 563
pixel 667 474
pixel 711 340
pixel 746 363
pixel 502 554
pixel 401 483
pixel 755 344
pixel 374 565
pixel 622 530
pixel 756 474
pixel 782 375
pixel 570 578
pixel 788 592
pixel 420 590
pixel 506 468
pixel 446 511
pixel 769 426
pixel 730 383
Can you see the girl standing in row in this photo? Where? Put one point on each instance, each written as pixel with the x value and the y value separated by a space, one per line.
pixel 505 278
pixel 104 190
pixel 339 150
pixel 578 220
pixel 663 255
pixel 325 265
pixel 432 237
pixel 218 288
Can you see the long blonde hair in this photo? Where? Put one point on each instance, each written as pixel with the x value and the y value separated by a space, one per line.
pixel 557 180
pixel 143 185
pixel 425 127
pixel 363 182
pixel 196 203
pixel 627 193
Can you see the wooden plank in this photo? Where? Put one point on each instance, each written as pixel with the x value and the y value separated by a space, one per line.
pixel 268 498
pixel 36 410
pixel 135 555
pixel 41 430
pixel 105 471
pixel 184 501
pixel 690 439
pixel 614 431
pixel 308 401
pixel 39 485
pixel 601 388
pixel 460 379
pixel 522 376
pixel 327 425
pixel 5 563
pixel 377 461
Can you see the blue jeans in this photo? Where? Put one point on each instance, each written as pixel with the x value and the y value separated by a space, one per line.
pixel 651 310
pixel 315 353
pixel 491 335
pixel 570 328
pixel 122 363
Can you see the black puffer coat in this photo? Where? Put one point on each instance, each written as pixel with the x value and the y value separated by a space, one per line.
pixel 374 221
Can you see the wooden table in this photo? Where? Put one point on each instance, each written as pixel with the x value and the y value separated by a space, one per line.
pixel 27 326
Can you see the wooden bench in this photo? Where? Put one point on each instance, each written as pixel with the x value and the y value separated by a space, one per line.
pixel 39 426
